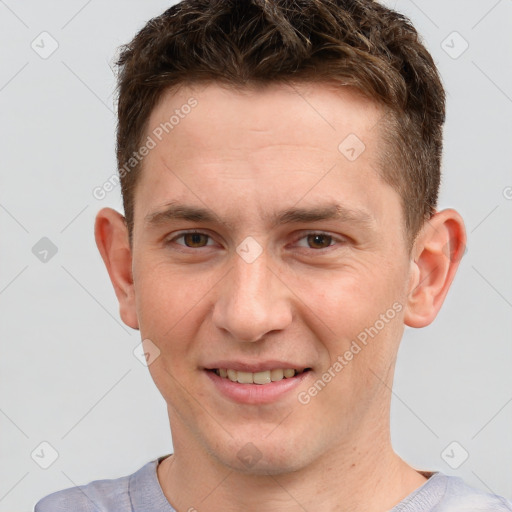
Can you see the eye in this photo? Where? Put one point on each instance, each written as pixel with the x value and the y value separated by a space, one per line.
pixel 318 240
pixel 315 240
pixel 192 239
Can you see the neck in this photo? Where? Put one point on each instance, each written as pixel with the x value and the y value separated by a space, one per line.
pixel 345 479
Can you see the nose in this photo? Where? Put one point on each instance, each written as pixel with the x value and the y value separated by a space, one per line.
pixel 252 301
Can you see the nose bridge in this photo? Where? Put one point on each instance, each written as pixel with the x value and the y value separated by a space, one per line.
pixel 252 301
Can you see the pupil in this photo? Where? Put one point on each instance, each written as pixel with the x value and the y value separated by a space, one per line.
pixel 317 240
pixel 194 238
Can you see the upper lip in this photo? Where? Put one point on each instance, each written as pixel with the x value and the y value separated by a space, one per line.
pixel 254 367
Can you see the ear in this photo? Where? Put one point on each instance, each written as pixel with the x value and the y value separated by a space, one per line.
pixel 111 235
pixel 437 252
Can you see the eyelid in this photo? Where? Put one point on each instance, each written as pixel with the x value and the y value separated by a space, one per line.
pixel 335 238
pixel 180 234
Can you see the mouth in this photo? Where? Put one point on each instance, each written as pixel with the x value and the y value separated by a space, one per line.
pixel 257 382
pixel 261 378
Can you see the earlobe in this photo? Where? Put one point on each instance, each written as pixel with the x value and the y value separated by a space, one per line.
pixel 437 252
pixel 111 236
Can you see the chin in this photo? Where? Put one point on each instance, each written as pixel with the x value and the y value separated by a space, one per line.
pixel 262 456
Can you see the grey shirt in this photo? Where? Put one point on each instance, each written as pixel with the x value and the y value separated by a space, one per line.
pixel 141 492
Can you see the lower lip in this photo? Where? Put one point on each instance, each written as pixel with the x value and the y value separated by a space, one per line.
pixel 255 393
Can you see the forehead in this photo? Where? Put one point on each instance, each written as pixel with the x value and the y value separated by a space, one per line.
pixel 319 113
pixel 277 144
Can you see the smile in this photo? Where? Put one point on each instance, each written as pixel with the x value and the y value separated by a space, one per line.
pixel 264 377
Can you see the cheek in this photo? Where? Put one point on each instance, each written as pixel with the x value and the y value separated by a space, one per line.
pixel 365 321
pixel 364 315
pixel 168 308
pixel 356 298
pixel 167 302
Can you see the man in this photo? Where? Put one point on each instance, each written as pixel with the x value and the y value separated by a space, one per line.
pixel 279 164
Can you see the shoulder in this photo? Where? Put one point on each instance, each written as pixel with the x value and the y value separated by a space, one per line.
pixel 96 496
pixel 460 497
pixel 443 493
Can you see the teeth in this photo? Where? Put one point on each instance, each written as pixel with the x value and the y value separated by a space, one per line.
pixel 276 375
pixel 259 377
pixel 245 377
pixel 262 377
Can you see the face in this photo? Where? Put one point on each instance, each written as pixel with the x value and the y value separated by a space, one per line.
pixel 265 242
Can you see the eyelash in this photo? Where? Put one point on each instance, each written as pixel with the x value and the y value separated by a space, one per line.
pixel 333 238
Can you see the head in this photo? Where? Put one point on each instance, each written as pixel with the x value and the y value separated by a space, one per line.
pixel 280 212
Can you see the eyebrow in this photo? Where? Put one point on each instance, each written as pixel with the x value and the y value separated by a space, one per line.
pixel 331 211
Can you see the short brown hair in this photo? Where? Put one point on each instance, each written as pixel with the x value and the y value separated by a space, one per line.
pixel 242 43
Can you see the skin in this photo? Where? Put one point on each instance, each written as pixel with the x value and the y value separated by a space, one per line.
pixel 245 155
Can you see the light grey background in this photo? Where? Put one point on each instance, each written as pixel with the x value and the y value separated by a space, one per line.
pixel 69 376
